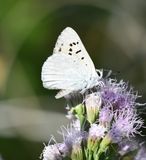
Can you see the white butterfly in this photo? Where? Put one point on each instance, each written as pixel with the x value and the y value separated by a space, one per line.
pixel 70 68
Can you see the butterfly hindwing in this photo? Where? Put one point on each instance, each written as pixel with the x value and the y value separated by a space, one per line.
pixel 60 72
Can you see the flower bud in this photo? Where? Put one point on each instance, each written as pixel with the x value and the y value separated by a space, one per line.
pixel 103 146
pixel 77 153
pixel 96 132
pixel 93 103
pixel 79 113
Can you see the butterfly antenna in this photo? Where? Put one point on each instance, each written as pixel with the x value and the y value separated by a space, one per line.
pixel 111 73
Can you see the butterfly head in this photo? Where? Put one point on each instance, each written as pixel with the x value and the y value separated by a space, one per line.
pixel 99 73
pixel 95 80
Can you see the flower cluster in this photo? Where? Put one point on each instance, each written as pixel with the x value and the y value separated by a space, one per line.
pixel 105 118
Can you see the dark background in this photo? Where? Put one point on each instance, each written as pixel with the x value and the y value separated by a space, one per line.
pixel 114 34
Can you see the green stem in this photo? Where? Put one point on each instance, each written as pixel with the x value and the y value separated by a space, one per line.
pixel 90 157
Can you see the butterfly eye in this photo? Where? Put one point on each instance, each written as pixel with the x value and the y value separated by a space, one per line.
pixel 99 73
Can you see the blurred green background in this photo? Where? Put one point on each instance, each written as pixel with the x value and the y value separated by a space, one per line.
pixel 114 33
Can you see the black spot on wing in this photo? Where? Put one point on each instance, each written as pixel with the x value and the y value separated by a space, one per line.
pixel 59 50
pixel 70 44
pixel 70 53
pixel 70 50
pixel 82 58
pixel 78 51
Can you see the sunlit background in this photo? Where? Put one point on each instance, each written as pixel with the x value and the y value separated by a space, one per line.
pixel 114 33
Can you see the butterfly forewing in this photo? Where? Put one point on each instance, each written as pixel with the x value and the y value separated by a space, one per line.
pixel 69 43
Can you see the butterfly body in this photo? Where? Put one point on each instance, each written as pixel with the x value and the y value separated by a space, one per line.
pixel 70 68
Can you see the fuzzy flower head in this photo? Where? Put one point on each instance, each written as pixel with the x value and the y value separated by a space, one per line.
pixel 96 133
pixel 51 152
pixel 105 116
pixel 118 95
pixel 126 123
pixel 72 135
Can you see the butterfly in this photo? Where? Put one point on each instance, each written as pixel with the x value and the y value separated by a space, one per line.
pixel 70 68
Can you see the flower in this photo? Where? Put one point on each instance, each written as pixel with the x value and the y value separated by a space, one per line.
pixel 97 131
pixel 72 135
pixel 118 95
pixel 51 152
pixel 93 103
pixel 127 145
pixel 141 154
pixel 73 138
pixel 126 123
pixel 77 153
pixel 93 100
pixel 63 149
pixel 105 116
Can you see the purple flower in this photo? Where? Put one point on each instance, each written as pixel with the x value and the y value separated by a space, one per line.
pixel 51 152
pixel 72 136
pixel 72 139
pixel 126 123
pixel 105 116
pixel 118 95
pixel 141 154
pixel 97 131
pixel 63 149
pixel 127 145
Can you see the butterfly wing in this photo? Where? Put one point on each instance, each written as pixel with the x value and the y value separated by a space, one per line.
pixel 70 43
pixel 70 67
pixel 61 72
